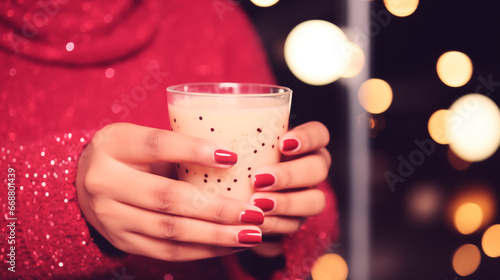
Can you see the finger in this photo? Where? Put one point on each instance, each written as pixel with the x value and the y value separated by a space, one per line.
pixel 305 171
pixel 137 144
pixel 156 193
pixel 179 228
pixel 305 138
pixel 304 203
pixel 168 250
pixel 280 225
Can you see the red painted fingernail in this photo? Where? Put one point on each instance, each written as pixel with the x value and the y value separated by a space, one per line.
pixel 290 145
pixel 263 180
pixel 252 217
pixel 264 203
pixel 249 236
pixel 225 157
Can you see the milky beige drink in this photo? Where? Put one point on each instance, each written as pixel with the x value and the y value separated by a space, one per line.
pixel 247 119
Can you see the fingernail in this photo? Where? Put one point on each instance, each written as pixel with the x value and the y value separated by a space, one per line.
pixel 249 236
pixel 263 180
pixel 225 157
pixel 252 217
pixel 265 204
pixel 290 145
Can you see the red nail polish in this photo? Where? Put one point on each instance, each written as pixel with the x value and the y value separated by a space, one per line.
pixel 263 180
pixel 225 157
pixel 249 236
pixel 290 145
pixel 264 203
pixel 252 217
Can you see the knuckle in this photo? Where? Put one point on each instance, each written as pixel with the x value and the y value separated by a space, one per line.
pixel 320 203
pixel 321 130
pixel 217 236
pixel 220 215
pixel 274 225
pixel 194 147
pixel 285 204
pixel 101 135
pixel 286 176
pixel 294 227
pixel 324 130
pixel 92 181
pixel 170 227
pixel 121 244
pixel 101 212
pixel 327 156
pixel 173 252
pixel 165 198
pixel 152 143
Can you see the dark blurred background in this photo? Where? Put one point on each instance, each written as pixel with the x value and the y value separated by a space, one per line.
pixel 412 234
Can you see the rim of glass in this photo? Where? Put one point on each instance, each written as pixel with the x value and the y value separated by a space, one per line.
pixel 176 89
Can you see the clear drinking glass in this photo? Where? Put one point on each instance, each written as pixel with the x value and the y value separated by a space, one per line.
pixel 247 119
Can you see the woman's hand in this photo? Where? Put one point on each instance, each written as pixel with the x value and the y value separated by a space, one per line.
pixel 124 197
pixel 286 191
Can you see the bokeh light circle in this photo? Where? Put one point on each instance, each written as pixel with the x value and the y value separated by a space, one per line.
pixel 401 8
pixel 437 126
pixel 356 61
pixel 491 241
pixel 330 267
pixel 466 259
pixel 375 96
pixel 264 3
pixel 473 127
pixel 454 68
pixel 476 193
pixel 317 52
pixel 424 203
pixel 468 218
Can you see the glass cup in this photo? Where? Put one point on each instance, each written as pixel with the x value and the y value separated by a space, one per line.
pixel 247 119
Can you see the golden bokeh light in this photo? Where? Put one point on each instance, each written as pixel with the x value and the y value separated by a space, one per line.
pixel 401 8
pixel 468 218
pixel 491 241
pixel 437 126
pixel 356 61
pixel 479 194
pixel 466 259
pixel 317 52
pixel 375 96
pixel 473 127
pixel 454 68
pixel 264 3
pixel 330 267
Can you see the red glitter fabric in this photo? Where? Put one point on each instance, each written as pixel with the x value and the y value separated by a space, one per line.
pixel 68 68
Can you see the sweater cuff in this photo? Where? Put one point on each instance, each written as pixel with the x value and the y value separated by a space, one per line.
pixel 52 239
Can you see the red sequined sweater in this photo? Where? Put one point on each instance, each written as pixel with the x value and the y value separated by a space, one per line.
pixel 67 68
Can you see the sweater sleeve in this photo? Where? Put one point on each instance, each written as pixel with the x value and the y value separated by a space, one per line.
pixel 47 235
pixel 316 237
